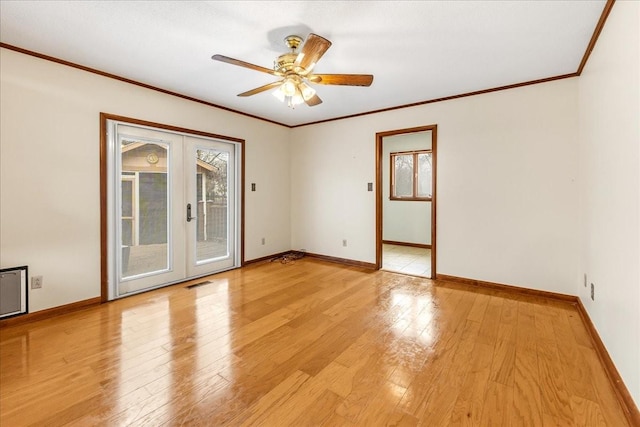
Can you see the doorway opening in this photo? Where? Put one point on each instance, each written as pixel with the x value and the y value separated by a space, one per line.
pixel 171 205
pixel 406 200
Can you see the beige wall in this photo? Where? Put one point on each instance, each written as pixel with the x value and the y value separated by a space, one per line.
pixel 49 170
pixel 610 189
pixel 507 200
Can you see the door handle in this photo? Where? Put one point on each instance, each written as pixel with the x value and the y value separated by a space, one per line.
pixel 189 217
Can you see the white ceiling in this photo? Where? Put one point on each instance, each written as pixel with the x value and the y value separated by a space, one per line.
pixel 417 50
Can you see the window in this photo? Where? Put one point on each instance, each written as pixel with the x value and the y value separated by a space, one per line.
pixel 411 175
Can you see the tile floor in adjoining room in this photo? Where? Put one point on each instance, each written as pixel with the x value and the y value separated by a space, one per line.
pixel 406 259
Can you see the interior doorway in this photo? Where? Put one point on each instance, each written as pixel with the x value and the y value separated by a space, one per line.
pixel 406 200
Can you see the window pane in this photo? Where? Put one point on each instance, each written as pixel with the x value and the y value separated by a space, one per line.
pixel 153 208
pixel 144 216
pixel 127 198
pixel 127 232
pixel 212 240
pixel 403 175
pixel 424 175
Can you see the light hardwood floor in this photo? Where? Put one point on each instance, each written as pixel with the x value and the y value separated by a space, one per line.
pixel 308 343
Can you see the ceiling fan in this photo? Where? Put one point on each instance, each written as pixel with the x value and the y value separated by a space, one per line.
pixel 296 70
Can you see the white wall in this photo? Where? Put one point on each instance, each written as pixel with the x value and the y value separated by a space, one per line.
pixel 49 170
pixel 404 221
pixel 331 164
pixel 609 134
pixel 507 194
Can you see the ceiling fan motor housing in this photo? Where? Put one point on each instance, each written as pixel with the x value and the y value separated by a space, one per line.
pixel 286 63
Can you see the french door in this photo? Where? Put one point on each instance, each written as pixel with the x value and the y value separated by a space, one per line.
pixel 172 207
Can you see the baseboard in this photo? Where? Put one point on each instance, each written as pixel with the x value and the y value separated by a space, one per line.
pixel 622 393
pixel 345 261
pixel 362 264
pixel 50 312
pixel 508 288
pixel 265 258
pixel 413 245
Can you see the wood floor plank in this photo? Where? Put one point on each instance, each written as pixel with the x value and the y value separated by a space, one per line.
pixel 302 337
pixel 497 405
pixel 479 308
pixel 258 412
pixel 400 419
pixel 320 411
pixel 527 404
pixel 555 396
pixel 383 404
pixel 468 407
pixel 368 376
pixel 491 321
pixel 578 377
pixel 308 343
pixel 503 365
pixel 587 412
pixel 295 405
pixel 450 368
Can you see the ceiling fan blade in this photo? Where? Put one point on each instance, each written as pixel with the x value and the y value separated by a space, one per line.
pixel 260 89
pixel 313 49
pixel 233 61
pixel 314 100
pixel 342 79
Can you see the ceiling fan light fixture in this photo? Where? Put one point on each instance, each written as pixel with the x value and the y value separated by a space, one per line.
pixel 291 100
pixel 279 94
pixel 289 87
pixel 294 91
pixel 307 91
pixel 296 99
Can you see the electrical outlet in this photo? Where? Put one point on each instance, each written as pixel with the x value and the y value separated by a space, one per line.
pixel 36 282
pixel 592 292
pixel 263 240
pixel 344 242
pixel 585 280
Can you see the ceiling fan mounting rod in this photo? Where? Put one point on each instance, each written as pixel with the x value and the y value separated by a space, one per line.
pixel 293 41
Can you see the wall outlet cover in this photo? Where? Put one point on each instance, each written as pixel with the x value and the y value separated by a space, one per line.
pixel 36 282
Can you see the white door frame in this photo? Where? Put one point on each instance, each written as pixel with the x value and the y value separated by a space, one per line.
pixel 110 178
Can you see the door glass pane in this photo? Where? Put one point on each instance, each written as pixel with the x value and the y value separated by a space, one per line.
pixel 424 175
pixel 403 175
pixel 145 206
pixel 127 211
pixel 212 238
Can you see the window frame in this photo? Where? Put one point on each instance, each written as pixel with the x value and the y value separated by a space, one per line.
pixel 392 176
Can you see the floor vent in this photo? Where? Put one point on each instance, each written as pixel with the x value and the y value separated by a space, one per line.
pixel 195 285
